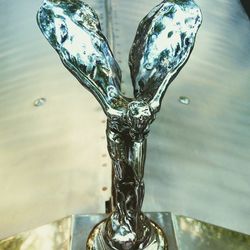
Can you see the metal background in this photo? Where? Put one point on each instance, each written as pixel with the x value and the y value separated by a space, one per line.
pixel 54 163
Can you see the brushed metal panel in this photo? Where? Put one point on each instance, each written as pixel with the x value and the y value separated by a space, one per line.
pixel 50 166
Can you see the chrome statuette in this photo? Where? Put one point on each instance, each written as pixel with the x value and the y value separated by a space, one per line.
pixel 162 45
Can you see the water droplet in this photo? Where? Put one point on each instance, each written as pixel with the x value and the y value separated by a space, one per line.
pixel 184 100
pixel 39 102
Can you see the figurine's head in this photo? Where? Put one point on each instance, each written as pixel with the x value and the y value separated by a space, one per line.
pixel 139 117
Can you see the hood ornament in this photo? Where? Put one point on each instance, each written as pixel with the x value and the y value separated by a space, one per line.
pixel 162 45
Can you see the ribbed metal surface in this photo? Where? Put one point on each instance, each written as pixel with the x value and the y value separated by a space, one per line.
pixel 198 154
pixel 53 162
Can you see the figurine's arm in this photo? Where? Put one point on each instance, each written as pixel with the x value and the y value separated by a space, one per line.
pixel 74 31
pixel 163 43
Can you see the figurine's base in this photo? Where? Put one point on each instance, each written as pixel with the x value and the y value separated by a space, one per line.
pixel 182 233
pixel 96 241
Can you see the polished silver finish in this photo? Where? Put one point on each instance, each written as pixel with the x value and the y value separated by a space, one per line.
pixel 73 29
pixel 163 43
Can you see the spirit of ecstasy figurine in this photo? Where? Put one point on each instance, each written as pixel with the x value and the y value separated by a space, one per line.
pixel 162 45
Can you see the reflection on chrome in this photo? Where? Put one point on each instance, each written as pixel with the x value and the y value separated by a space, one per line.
pixel 49 237
pixel 194 234
pixel 162 45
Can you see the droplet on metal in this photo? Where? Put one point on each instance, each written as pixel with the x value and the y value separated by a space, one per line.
pixel 184 100
pixel 39 102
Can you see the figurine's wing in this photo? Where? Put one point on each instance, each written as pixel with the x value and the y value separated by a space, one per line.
pixel 162 45
pixel 74 31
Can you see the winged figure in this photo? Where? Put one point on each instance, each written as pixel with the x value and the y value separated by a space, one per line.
pixel 163 43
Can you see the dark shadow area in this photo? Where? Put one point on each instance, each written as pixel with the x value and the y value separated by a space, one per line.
pixel 246 6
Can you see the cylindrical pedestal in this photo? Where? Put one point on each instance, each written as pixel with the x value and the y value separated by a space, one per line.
pixel 156 241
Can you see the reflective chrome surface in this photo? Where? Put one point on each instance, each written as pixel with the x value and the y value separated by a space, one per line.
pixel 182 233
pixel 163 43
pixel 156 240
pixel 194 234
pixel 53 236
pixel 74 31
